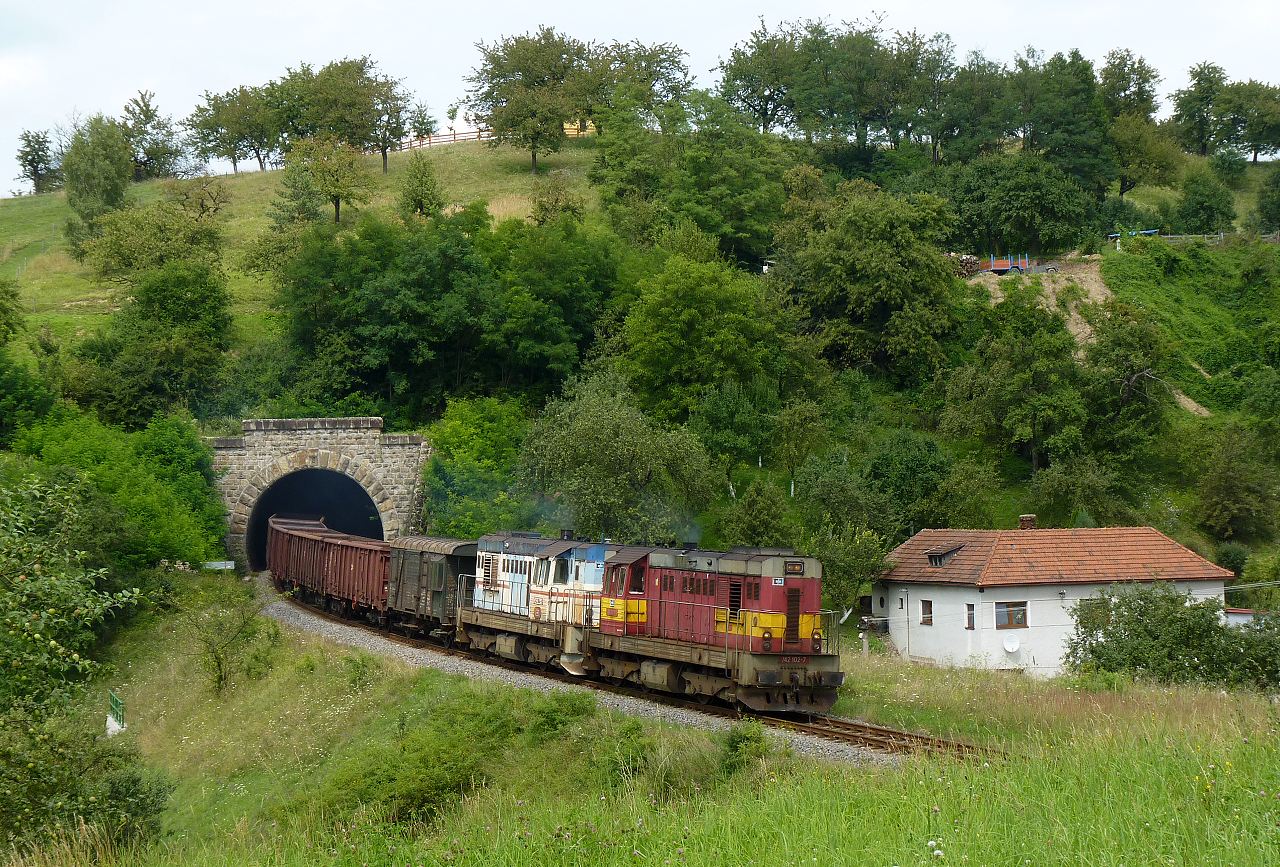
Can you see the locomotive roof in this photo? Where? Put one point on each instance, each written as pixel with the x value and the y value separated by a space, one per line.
pixel 625 555
pixel 528 544
pixel 435 545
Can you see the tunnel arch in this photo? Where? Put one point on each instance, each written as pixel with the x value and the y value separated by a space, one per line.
pixel 363 483
pixel 338 498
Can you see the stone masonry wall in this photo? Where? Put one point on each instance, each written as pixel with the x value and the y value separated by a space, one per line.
pixel 387 466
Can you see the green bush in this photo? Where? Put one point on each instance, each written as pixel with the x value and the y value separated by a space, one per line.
pixel 51 607
pixel 1206 205
pixel 1229 167
pixel 24 399
pixel 554 712
pixel 156 484
pixel 1152 631
pixel 58 768
pixel 1233 556
pixel 741 745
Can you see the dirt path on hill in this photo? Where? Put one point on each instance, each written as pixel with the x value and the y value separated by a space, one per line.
pixel 1084 272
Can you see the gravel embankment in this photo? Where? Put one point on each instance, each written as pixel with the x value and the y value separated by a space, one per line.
pixel 352 636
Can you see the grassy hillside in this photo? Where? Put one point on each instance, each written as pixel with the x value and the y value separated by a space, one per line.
pixel 1245 198
pixel 309 761
pixel 62 295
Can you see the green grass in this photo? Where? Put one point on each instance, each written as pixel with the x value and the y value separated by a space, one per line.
pixel 62 295
pixel 1210 313
pixel 1245 198
pixel 285 770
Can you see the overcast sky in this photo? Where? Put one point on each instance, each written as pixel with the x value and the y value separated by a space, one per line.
pixel 91 55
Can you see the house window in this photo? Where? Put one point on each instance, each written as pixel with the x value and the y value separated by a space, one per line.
pixel 926 612
pixel 968 615
pixel 902 603
pixel 881 601
pixel 1011 615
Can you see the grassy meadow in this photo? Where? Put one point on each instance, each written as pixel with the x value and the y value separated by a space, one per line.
pixel 62 295
pixel 330 756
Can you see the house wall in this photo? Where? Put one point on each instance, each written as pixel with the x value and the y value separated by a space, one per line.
pixel 1041 644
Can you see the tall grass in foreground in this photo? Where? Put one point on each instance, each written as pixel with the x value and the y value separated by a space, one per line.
pixel 334 758
pixel 1007 708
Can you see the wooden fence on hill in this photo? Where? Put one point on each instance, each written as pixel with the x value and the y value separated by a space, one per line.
pixel 426 141
pixel 1273 238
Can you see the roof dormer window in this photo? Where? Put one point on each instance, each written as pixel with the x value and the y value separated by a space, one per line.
pixel 941 556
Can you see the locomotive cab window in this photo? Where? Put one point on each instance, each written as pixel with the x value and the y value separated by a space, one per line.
pixel 562 572
pixel 637 580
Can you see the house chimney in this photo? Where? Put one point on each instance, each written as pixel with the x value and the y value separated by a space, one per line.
pixel 1026 522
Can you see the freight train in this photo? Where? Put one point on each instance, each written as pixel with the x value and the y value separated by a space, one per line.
pixel 743 626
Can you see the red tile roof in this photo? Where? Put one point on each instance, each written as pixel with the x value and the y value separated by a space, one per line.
pixel 994 558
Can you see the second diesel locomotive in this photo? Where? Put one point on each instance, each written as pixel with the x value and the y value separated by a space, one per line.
pixel 742 626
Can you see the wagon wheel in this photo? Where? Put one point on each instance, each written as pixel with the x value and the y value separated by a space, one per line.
pixel 1014 270
pixel 1051 269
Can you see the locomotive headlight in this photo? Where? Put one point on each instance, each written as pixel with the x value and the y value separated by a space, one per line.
pixel 766 640
pixel 817 641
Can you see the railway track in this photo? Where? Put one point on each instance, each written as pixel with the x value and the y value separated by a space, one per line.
pixel 836 729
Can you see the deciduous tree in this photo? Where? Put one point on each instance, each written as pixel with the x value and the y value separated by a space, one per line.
pixel 97 168
pixel 1195 109
pixel 697 324
pixel 157 149
pixel 394 116
pixel 1023 389
pixel 1128 85
pixel 420 193
pixel 617 472
pixel 1250 113
pixel 852 558
pixel 1070 122
pixel 523 89
pixel 759 74
pixel 1144 155
pixel 38 161
pixel 867 268
pixel 335 169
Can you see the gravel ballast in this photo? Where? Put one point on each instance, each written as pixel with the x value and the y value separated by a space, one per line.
pixel 295 617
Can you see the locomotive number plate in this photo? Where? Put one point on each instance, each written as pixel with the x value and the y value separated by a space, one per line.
pixel 794 660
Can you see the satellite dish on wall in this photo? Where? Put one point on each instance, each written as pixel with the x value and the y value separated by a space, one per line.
pixel 1011 644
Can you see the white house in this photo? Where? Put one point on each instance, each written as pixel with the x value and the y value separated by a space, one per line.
pixel 1003 598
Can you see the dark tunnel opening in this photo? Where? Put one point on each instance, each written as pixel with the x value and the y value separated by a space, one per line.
pixel 339 499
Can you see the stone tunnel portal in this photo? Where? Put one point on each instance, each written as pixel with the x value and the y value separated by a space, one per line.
pixel 338 498
pixel 289 466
